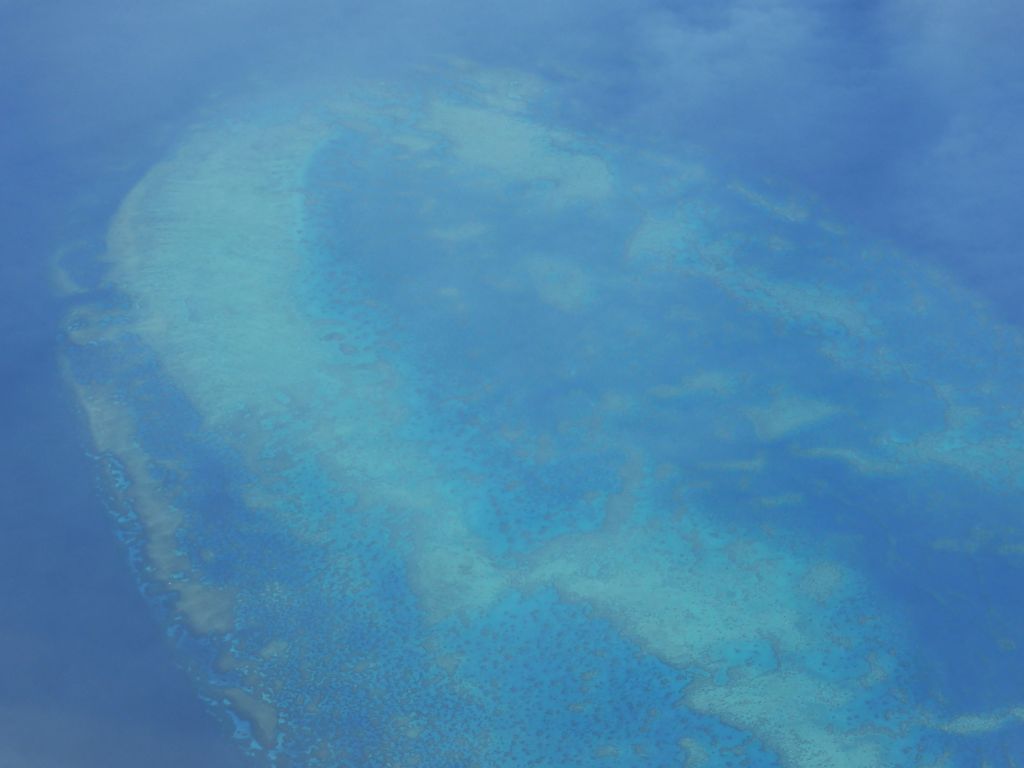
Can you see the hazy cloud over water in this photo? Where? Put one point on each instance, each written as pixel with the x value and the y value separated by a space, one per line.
pixel 903 117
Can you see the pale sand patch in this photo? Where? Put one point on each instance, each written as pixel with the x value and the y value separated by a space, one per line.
pixel 206 609
pixel 262 716
pixel 63 283
pixel 860 460
pixel 788 210
pixel 968 725
pixel 788 707
pixel 788 415
pixel 520 150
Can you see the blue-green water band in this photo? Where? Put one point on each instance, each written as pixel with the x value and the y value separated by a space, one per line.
pixel 463 440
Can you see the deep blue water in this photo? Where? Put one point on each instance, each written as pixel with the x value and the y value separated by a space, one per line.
pixel 568 385
pixel 88 676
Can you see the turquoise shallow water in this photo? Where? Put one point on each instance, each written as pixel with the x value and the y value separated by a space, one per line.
pixel 446 436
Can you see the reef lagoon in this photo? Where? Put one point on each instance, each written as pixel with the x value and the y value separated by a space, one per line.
pixel 439 429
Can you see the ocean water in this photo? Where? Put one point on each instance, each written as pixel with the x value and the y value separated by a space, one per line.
pixel 488 388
